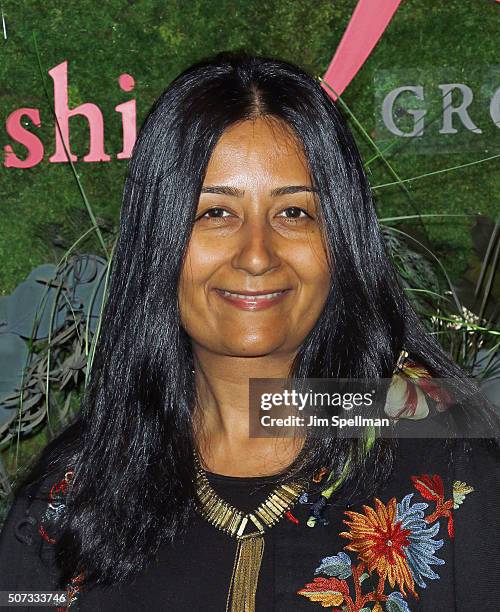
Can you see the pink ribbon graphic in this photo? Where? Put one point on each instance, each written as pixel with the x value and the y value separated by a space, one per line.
pixel 367 24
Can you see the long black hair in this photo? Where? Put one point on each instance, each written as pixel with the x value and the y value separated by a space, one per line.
pixel 131 444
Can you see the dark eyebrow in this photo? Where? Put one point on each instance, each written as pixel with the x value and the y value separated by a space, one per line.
pixel 223 190
pixel 291 189
pixel 238 193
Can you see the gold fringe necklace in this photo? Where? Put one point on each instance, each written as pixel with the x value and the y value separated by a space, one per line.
pixel 250 546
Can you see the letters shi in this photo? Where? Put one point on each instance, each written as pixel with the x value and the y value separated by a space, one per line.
pixel 91 112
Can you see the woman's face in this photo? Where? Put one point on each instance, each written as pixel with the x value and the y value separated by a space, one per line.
pixel 255 277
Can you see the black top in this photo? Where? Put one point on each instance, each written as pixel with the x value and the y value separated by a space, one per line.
pixel 427 541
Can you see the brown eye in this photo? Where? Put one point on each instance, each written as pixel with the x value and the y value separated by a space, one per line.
pixel 294 212
pixel 214 213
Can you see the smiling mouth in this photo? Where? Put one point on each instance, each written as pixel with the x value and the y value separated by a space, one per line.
pixel 258 300
pixel 252 296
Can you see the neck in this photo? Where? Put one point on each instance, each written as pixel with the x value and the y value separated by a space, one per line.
pixel 222 415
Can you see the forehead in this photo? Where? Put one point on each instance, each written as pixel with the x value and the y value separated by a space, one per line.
pixel 261 147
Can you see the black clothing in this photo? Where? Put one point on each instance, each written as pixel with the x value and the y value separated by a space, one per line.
pixel 440 543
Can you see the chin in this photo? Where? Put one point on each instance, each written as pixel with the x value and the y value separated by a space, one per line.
pixel 253 347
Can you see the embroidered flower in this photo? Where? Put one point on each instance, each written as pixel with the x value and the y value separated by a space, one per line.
pixel 421 547
pixel 395 603
pixel 339 566
pixel 394 541
pixel 379 539
pixel 460 490
pixel 431 487
pixel 55 507
pixel 327 591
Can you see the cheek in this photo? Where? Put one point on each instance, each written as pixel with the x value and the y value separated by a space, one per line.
pixel 311 265
pixel 192 309
pixel 315 292
pixel 200 264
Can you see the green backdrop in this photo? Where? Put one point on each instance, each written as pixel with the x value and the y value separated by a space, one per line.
pixel 427 43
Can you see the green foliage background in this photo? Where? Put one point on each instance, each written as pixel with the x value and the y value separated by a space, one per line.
pixel 41 212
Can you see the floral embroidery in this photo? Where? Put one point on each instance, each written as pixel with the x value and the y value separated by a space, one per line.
pixel 55 507
pixel 395 543
pixel 72 592
pixel 378 538
pixel 460 490
pixel 431 488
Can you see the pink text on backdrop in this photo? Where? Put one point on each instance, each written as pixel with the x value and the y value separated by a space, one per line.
pixel 93 114
pixel 365 28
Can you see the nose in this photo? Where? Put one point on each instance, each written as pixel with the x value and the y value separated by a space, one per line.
pixel 256 249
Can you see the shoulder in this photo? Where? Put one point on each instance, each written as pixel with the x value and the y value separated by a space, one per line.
pixel 467 471
pixel 430 534
pixel 29 533
pixel 475 453
pixel 476 477
pixel 476 520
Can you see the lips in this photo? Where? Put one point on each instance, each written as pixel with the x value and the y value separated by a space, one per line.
pixel 253 300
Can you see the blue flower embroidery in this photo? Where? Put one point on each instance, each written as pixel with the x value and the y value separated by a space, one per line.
pixel 420 551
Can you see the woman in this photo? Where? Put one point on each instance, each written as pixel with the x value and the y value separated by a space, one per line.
pixel 249 248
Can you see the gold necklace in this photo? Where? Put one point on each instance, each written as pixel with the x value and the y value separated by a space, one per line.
pixel 250 547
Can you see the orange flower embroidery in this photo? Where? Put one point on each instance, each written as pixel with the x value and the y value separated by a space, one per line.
pixel 379 539
pixel 394 543
pixel 327 591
